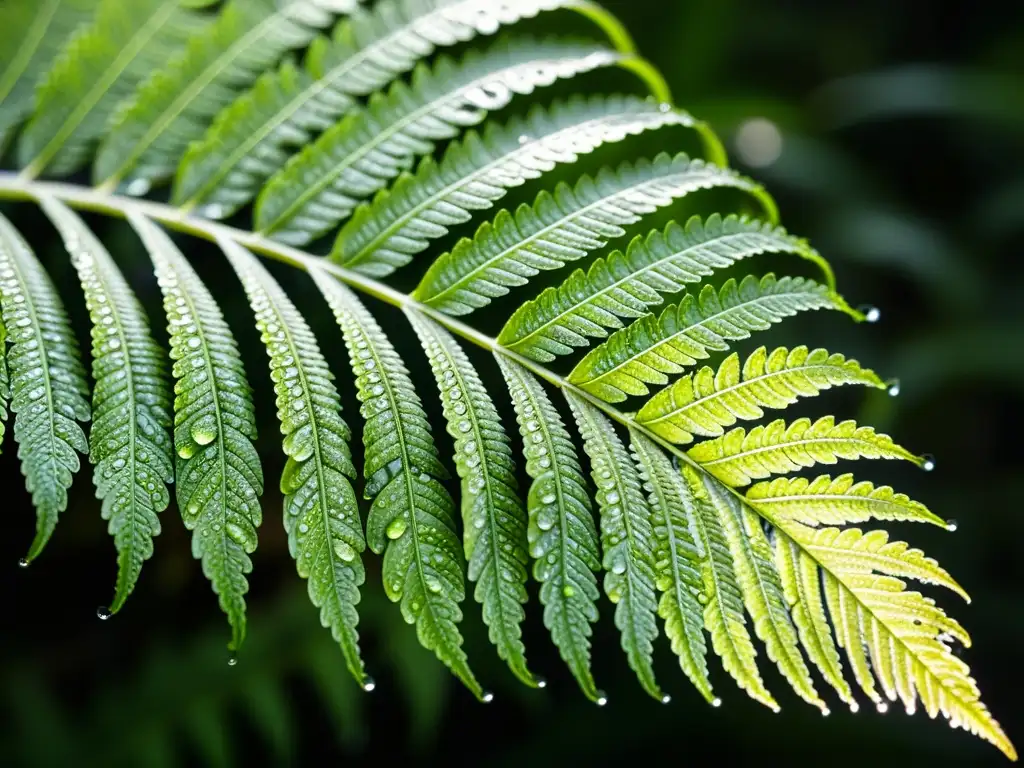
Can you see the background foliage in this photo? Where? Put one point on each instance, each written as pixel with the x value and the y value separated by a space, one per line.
pixel 902 160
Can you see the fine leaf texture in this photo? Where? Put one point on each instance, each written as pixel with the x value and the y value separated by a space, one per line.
pixel 96 74
pixel 253 138
pixel 479 170
pixel 627 540
pixel 5 381
pixel 563 226
pixel 493 519
pixel 176 104
pixel 322 185
pixel 31 36
pixel 626 284
pixel 47 381
pixel 321 515
pixel 218 474
pixel 839 501
pixel 654 347
pixel 130 439
pixel 704 402
pixel 563 538
pixel 677 560
pixel 761 587
pixel 738 457
pixel 412 516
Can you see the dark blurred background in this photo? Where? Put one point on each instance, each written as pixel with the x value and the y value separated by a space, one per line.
pixel 892 134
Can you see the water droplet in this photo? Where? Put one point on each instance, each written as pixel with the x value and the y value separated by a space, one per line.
pixel 716 702
pixel 548 498
pixel 369 684
pixel 541 682
pixel 137 188
pixel 665 107
pixel 23 563
pixel 487 698
pixel 854 707
pixel 602 699
pixel 894 387
pixel 927 462
pixel 344 551
pixel 666 699
pixel 232 659
pixel 524 139
pixel 568 591
pixel 103 613
pixel 825 712
pixel 396 528
pixel 702 598
pixel 871 314
pixel 952 525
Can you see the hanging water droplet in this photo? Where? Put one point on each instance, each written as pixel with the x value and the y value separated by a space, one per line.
pixel 396 528
pixel 232 659
pixel 541 682
pixel 23 563
pixel 894 387
pixel 871 314
pixel 103 613
pixel 951 525
pixel 602 698
pixel 716 702
pixel 369 684
pixel 487 698
pixel 825 712
pixel 666 699
pixel 927 462
pixel 882 707
pixel 854 707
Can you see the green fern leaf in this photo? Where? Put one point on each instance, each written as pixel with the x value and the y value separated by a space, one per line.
pixel 738 457
pixel 563 539
pixel 762 589
pixel 653 347
pixel 627 540
pixel 411 520
pixel 493 519
pixel 907 636
pixel 561 227
pixel 479 170
pixel 704 402
pixel 5 381
pixel 31 36
pixel 625 284
pixel 176 104
pixel 96 74
pixel 131 444
pixel 800 582
pixel 677 560
pixel 322 185
pixel 824 501
pixel 252 139
pixel 218 473
pixel 48 387
pixel 321 514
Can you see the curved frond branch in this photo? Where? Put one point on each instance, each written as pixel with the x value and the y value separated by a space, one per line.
pixel 130 438
pixel 412 516
pixel 493 519
pixel 48 387
pixel 321 515
pixel 563 538
pixel 628 540
pixel 218 473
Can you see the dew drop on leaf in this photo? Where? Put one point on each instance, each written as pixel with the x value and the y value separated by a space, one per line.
pixel 232 659
pixel 369 684
pixel 396 528
pixel 23 563
pixel 103 613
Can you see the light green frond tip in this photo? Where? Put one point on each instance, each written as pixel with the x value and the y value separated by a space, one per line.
pixel 655 347
pixel 218 473
pixel 738 457
pixel 130 439
pixel 627 540
pixel 677 560
pixel 704 402
pixel 565 226
pixel 493 518
pixel 412 516
pixel 624 285
pixel 48 387
pixel 323 185
pixel 563 538
pixel 839 501
pixel 321 515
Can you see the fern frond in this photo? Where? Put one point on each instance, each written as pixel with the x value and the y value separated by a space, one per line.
pixel 761 587
pixel 252 139
pixel 176 104
pixel 563 538
pixel 321 515
pixel 322 185
pixel 130 439
pixel 479 170
pixel 563 226
pixel 31 37
pixel 48 387
pixel 907 636
pixel 738 457
pixel 218 473
pixel 653 347
pixel 625 284
pixel 839 501
pixel 704 402
pixel 493 520
pixel 412 517
pixel 96 74
pixel 627 540
pixel 677 560
pixel 5 381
